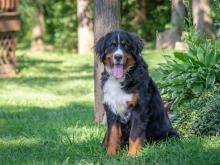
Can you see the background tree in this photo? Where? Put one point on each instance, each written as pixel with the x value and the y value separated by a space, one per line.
pixel 85 26
pixel 38 30
pixel 107 18
pixel 201 17
pixel 168 38
pixel 178 15
pixel 145 17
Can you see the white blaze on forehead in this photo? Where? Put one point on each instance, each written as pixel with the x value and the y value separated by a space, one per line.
pixel 119 50
pixel 118 39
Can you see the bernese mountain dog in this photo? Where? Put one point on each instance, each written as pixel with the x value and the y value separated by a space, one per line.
pixel 134 108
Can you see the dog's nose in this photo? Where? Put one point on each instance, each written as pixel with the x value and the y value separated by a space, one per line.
pixel 118 58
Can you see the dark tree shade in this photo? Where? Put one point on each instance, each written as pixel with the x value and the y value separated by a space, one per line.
pixel 106 17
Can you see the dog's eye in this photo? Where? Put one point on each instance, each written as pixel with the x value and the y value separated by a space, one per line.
pixel 113 43
pixel 123 43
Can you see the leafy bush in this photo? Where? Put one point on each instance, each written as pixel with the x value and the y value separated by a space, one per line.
pixel 156 13
pixel 190 73
pixel 60 22
pixel 26 10
pixel 200 116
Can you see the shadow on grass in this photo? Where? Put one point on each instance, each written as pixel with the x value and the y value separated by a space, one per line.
pixel 48 73
pixel 48 128
pixel 40 118
pixel 43 80
pixel 50 66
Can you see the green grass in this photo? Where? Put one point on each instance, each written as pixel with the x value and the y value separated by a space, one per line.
pixel 46 117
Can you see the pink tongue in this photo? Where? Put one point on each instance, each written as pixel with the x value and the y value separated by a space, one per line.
pixel 118 71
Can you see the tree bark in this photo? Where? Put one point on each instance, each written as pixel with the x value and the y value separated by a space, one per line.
pixel 85 27
pixel 39 29
pixel 201 17
pixel 107 18
pixel 178 14
pixel 169 38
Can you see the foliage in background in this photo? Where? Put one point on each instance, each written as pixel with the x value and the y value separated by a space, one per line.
pixel 157 15
pixel 60 19
pixel 215 10
pixel 26 10
pixel 200 116
pixel 190 73
pixel 61 23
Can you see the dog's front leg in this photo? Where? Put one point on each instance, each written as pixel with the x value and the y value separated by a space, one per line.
pixel 114 139
pixel 137 133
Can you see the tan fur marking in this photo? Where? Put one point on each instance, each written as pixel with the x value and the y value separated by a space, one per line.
pixel 113 42
pixel 130 61
pixel 114 140
pixel 123 42
pixel 134 146
pixel 134 100
pixel 108 60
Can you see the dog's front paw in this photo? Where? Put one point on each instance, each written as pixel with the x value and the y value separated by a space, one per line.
pixel 111 151
pixel 134 146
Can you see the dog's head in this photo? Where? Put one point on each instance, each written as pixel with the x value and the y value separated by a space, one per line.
pixel 119 51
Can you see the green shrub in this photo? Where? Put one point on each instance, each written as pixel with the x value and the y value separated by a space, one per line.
pixel 156 13
pixel 60 21
pixel 200 116
pixel 189 73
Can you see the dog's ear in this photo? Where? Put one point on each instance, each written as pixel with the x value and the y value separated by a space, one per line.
pixel 138 44
pixel 100 48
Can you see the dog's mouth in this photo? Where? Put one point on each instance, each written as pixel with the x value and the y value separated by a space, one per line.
pixel 117 71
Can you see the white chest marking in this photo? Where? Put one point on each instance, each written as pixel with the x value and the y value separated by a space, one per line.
pixel 115 97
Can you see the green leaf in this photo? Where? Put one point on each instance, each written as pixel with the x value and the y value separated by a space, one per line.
pixel 210 59
pixel 191 58
pixel 180 56
pixel 217 44
pixel 186 75
pixel 201 55
pixel 197 88
pixel 210 79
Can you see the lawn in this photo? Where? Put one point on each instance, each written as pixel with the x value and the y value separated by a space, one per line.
pixel 46 117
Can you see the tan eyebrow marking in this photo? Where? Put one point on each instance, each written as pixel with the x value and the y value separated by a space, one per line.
pixel 123 42
pixel 113 42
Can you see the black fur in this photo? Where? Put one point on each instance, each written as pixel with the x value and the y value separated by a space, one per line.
pixel 148 120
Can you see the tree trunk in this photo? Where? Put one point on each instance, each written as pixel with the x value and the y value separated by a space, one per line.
pixel 107 17
pixel 178 14
pixel 38 30
pixel 85 27
pixel 201 17
pixel 169 38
